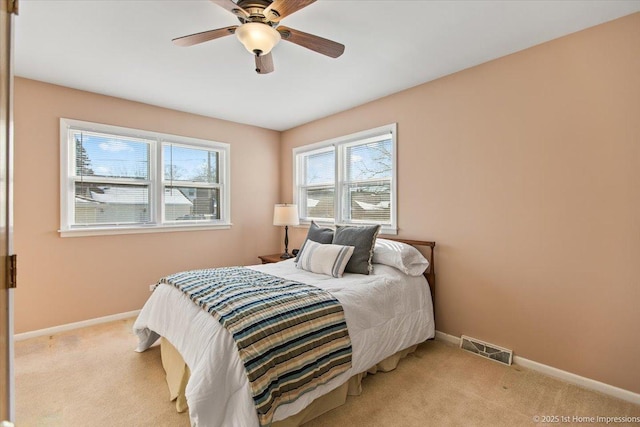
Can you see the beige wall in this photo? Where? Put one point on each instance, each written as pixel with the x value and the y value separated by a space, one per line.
pixel 64 280
pixel 526 172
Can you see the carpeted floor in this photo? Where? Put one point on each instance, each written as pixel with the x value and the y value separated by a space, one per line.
pixel 92 377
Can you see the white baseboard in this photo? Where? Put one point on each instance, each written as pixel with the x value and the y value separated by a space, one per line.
pixel 441 336
pixel 587 383
pixel 75 325
pixel 569 377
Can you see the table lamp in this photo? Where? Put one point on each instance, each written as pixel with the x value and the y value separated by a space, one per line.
pixel 286 215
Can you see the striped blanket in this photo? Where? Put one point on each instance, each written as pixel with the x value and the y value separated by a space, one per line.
pixel 291 337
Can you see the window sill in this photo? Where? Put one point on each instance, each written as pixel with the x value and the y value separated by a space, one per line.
pixel 169 228
pixel 387 230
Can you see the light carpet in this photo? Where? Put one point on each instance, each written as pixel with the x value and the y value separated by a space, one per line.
pixel 93 377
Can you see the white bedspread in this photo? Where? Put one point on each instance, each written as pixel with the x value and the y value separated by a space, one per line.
pixel 386 312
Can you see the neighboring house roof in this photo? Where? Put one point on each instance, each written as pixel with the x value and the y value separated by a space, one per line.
pixel 85 201
pixel 136 196
pixel 174 196
pixel 369 207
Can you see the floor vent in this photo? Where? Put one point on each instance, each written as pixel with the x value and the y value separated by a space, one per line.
pixel 490 351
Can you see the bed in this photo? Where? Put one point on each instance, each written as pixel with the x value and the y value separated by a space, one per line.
pixel 387 314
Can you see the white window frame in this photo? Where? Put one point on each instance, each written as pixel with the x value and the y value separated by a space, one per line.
pixel 156 182
pixel 340 144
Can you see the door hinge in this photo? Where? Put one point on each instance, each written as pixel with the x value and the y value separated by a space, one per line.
pixel 12 271
pixel 12 6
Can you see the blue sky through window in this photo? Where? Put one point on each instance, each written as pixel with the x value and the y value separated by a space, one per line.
pixel 369 161
pixel 111 156
pixel 189 164
pixel 365 161
pixel 121 157
pixel 320 168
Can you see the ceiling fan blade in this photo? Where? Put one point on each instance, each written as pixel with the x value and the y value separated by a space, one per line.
pixel 281 8
pixel 231 7
pixel 264 64
pixel 315 43
pixel 204 36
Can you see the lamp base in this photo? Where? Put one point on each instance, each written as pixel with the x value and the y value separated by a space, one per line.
pixel 286 255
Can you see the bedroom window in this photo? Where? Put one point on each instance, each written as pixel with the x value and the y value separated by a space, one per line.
pixel 348 180
pixel 116 180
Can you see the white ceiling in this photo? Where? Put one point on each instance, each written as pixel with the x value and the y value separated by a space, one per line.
pixel 123 48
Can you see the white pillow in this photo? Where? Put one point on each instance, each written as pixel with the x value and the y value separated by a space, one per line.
pixel 399 255
pixel 324 259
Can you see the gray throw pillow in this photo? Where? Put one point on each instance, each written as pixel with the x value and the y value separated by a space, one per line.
pixel 363 238
pixel 317 234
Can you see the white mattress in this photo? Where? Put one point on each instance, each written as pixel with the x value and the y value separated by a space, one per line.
pixel 385 312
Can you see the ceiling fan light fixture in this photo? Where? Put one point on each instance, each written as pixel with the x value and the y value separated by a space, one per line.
pixel 258 38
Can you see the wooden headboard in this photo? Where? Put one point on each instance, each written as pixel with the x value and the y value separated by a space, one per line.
pixel 430 273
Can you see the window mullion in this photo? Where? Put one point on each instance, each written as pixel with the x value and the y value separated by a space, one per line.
pixel 163 183
pixel 67 183
pixel 222 186
pixel 300 181
pixel 339 216
pixel 156 191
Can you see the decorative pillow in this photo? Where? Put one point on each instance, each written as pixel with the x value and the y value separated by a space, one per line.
pixel 363 238
pixel 317 234
pixel 324 259
pixel 399 255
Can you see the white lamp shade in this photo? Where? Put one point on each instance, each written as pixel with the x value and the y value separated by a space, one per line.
pixel 258 37
pixel 285 215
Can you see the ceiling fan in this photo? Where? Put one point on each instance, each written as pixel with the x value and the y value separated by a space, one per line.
pixel 260 30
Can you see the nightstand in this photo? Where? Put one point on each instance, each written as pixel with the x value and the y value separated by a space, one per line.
pixel 268 259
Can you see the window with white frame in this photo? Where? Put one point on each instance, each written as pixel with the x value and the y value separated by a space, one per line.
pixel 348 180
pixel 119 180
